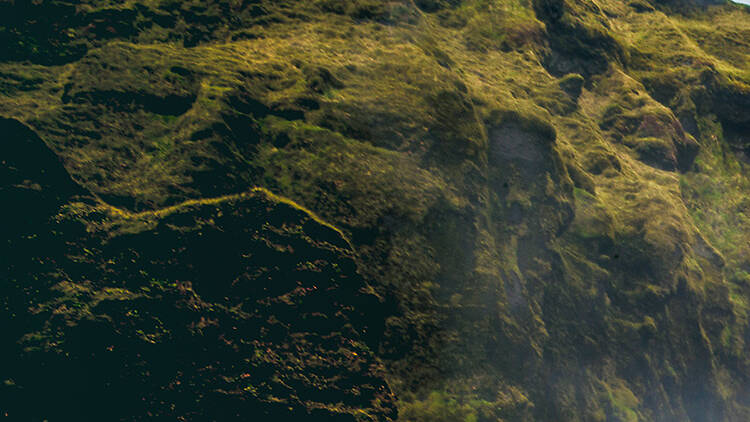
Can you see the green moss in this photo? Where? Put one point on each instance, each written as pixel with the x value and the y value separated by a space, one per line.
pixel 622 404
pixel 514 179
pixel 572 84
pixel 437 407
pixel 593 223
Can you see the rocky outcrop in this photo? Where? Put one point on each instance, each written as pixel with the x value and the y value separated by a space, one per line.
pixel 33 181
pixel 226 309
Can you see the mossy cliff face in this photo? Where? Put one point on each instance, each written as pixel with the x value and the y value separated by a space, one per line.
pixel 459 210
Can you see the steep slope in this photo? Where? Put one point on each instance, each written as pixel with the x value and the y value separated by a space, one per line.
pixel 521 210
pixel 213 309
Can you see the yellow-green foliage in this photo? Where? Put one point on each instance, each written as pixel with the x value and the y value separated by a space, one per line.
pixel 441 406
pixel 438 407
pixel 551 195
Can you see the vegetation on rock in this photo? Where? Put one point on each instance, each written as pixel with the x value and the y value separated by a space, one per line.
pixel 464 210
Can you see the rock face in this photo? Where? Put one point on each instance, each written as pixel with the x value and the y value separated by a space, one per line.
pixel 218 309
pixel 33 181
pixel 443 210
